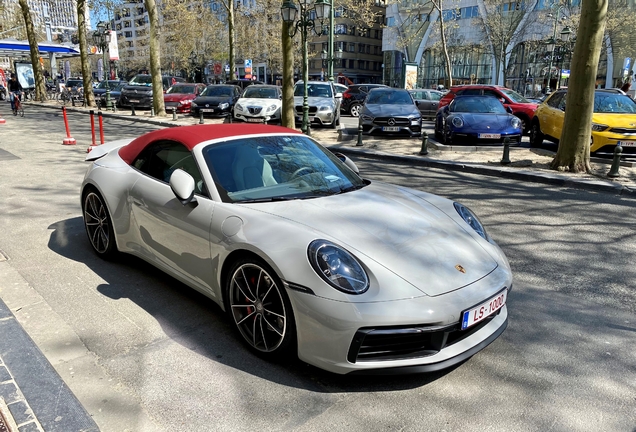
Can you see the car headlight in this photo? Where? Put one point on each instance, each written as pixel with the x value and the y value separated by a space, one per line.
pixel 596 127
pixel 194 105
pixel 337 267
pixel 324 108
pixel 457 122
pixel 515 123
pixel 472 220
pixel 366 118
pixel 148 93
pixel 272 108
pixel 239 107
pixel 185 102
pixel 224 105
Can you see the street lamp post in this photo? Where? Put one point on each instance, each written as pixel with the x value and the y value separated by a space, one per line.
pixel 193 64
pixel 101 38
pixel 304 22
pixel 331 59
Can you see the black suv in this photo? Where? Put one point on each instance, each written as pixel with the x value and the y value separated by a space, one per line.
pixel 353 98
pixel 138 91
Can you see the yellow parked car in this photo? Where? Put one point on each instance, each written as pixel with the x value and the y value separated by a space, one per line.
pixel 613 121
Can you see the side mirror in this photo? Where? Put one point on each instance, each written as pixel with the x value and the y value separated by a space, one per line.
pixel 348 162
pixel 182 185
pixel 417 103
pixel 509 109
pixel 339 95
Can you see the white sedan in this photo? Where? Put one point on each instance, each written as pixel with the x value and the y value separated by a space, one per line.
pixel 259 104
pixel 307 258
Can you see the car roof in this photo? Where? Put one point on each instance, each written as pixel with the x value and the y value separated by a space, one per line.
pixel 190 136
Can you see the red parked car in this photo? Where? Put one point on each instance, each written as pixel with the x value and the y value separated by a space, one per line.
pixel 180 96
pixel 520 106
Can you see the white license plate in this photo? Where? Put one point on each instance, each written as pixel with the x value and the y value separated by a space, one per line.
pixel 390 129
pixel 484 310
pixel 627 143
pixel 207 109
pixel 134 101
pixel 489 136
pixel 252 120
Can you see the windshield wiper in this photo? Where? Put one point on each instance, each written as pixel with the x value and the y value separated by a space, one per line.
pixel 351 188
pixel 268 199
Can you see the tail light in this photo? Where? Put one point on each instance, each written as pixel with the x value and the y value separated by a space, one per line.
pixel 346 94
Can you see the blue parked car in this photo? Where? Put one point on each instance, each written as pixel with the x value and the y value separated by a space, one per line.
pixel 477 120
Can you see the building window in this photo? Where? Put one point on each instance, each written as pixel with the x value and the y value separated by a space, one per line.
pixel 368 49
pixel 352 64
pixel 340 29
pixel 352 31
pixel 352 47
pixel 128 34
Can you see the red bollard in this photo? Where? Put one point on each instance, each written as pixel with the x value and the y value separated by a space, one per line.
pixel 101 128
pixel 69 140
pixel 2 120
pixel 93 143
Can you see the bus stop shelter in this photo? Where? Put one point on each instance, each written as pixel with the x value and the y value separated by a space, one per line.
pixel 19 49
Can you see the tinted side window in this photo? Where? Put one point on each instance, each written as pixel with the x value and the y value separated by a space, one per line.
pixel 435 96
pixel 469 92
pixel 555 100
pixel 488 92
pixel 160 159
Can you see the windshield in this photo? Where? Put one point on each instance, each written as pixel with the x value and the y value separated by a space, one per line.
pixel 111 84
pixel 217 91
pixel 182 89
pixel 260 93
pixel 476 104
pixel 141 80
pixel 389 97
pixel 613 103
pixel 314 90
pixel 74 83
pixel 514 96
pixel 275 168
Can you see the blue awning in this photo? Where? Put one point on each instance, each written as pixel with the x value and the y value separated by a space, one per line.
pixel 13 48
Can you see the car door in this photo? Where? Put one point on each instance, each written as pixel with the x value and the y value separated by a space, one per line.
pixel 172 235
pixel 551 115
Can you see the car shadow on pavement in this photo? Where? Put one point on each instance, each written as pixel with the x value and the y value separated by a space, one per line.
pixel 192 320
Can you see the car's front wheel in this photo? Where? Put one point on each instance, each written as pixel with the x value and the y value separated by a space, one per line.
pixel 260 309
pixel 536 137
pixel 99 226
pixel 354 110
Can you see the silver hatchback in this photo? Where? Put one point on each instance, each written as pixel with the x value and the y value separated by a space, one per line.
pixel 324 103
pixel 392 111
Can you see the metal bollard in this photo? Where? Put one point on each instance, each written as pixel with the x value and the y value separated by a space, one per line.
pixel 132 109
pixel 359 143
pixel 505 160
pixel 152 111
pixel 200 117
pixel 174 113
pixel 424 150
pixel 114 107
pixel 616 162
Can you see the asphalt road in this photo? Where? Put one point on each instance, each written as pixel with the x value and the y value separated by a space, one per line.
pixel 142 352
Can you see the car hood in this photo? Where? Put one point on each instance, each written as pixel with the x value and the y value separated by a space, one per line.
pixel 615 120
pixel 402 232
pixel 214 100
pixel 483 120
pixel 139 88
pixel 379 110
pixel 315 101
pixel 257 102
pixel 177 97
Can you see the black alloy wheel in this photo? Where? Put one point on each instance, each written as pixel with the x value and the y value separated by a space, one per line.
pixel 536 137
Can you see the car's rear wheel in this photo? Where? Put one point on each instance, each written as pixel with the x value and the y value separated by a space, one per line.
pixel 354 110
pixel 99 226
pixel 260 309
pixel 536 137
pixel 448 140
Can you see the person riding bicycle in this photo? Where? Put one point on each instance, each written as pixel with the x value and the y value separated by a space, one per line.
pixel 15 90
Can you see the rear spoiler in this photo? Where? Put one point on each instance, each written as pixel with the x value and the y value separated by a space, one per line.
pixel 96 152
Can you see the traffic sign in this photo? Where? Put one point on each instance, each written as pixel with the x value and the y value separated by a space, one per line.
pixel 247 63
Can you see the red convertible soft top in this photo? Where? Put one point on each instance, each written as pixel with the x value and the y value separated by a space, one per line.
pixel 190 136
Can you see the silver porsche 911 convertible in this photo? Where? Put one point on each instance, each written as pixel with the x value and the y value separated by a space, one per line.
pixel 305 256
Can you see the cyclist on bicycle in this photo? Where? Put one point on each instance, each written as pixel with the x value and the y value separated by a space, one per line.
pixel 15 90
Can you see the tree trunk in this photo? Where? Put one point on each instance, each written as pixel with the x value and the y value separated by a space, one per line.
pixel 288 109
pixel 230 26
pixel 40 87
pixel 89 97
pixel 448 66
pixel 155 59
pixel 574 147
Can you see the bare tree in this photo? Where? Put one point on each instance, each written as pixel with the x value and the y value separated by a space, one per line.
pixel 40 87
pixel 155 58
pixel 229 7
pixel 89 97
pixel 574 146
pixel 288 117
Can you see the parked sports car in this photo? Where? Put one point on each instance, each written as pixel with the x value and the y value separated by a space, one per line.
pixel 306 257
pixel 259 104
pixel 477 120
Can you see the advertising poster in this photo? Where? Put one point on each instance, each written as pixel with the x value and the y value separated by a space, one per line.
pixel 113 49
pixel 410 76
pixel 24 71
